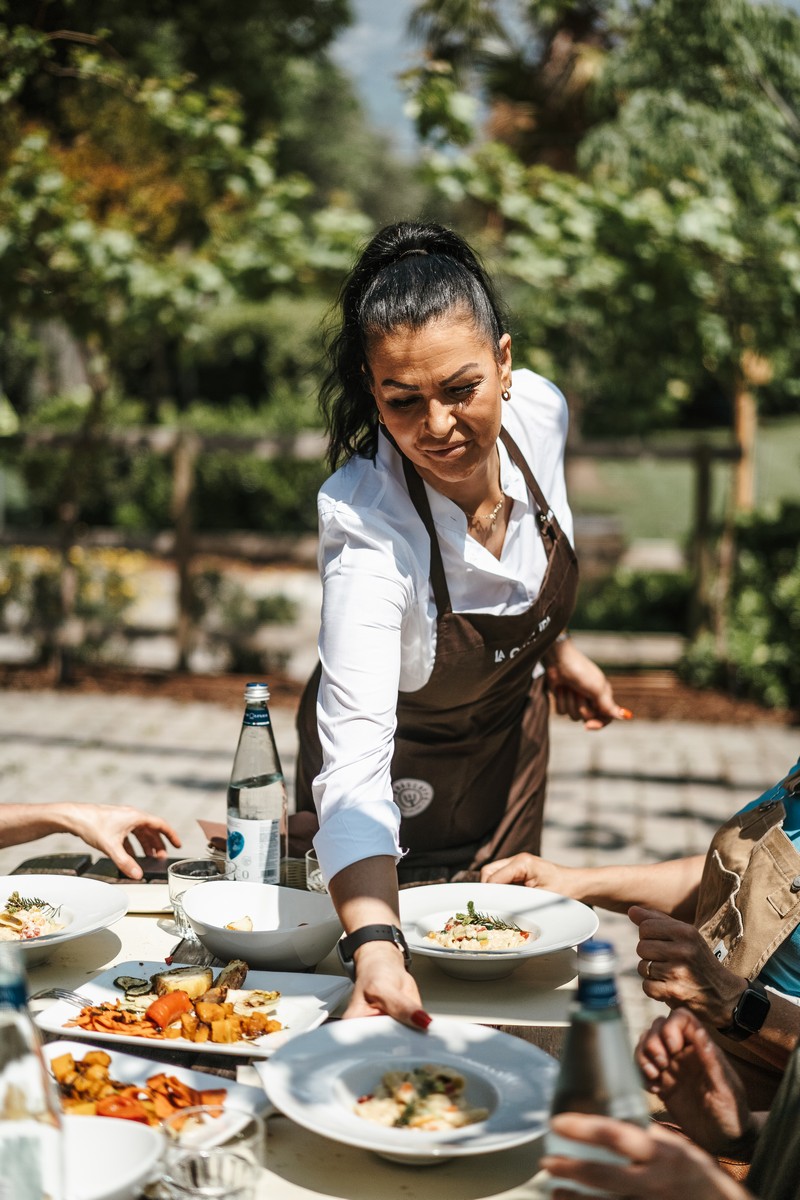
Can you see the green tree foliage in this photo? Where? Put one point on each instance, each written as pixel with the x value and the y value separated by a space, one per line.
pixel 759 655
pixel 664 262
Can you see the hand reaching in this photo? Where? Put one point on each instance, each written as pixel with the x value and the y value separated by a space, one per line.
pixel 528 869
pixel 109 828
pixel 702 1093
pixel 383 985
pixel 660 1164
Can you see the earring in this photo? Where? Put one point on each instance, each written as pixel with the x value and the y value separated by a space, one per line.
pixel 380 419
pixel 505 395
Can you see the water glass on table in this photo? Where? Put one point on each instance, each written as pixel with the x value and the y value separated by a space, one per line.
pixel 185 874
pixel 213 1150
pixel 314 879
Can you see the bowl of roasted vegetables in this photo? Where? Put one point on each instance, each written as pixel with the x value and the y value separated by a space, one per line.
pixel 271 927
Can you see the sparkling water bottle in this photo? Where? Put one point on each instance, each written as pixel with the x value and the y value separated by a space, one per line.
pixel 597 1073
pixel 31 1151
pixel 257 807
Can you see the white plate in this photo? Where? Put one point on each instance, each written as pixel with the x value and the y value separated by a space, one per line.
pixel 317 1080
pixel 86 906
pixel 305 1002
pixel 109 1159
pixel 561 923
pixel 129 1068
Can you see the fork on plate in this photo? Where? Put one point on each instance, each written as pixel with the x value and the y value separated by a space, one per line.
pixel 56 993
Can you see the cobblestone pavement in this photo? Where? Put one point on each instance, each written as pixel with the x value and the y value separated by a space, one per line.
pixel 638 792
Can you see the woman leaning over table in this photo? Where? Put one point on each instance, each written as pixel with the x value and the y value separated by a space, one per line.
pixel 448 578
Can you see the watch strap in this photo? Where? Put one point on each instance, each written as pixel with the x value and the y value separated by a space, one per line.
pixel 348 945
pixel 749 1013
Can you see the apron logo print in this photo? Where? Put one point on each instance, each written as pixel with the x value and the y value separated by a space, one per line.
pixel 500 655
pixel 412 796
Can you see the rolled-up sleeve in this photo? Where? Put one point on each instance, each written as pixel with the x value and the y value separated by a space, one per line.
pixel 367 590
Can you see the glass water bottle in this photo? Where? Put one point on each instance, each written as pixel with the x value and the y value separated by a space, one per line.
pixel 31 1150
pixel 598 1073
pixel 257 806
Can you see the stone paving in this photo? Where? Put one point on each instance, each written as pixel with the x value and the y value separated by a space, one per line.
pixel 637 792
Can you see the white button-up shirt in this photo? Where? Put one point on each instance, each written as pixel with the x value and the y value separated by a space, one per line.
pixel 378 631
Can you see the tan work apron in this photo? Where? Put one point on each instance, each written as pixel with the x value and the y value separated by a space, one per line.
pixel 470 754
pixel 747 905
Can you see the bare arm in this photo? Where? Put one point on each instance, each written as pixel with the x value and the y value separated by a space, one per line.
pixel 365 893
pixel 671 886
pixel 106 827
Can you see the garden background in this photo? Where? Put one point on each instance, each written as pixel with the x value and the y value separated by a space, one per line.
pixel 180 196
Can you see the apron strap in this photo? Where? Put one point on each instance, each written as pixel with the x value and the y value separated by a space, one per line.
pixel 545 516
pixel 419 498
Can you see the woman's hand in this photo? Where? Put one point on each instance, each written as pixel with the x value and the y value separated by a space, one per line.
pixel 678 968
pixel 579 688
pixel 530 870
pixel 109 828
pixel 701 1091
pixel 660 1164
pixel 383 985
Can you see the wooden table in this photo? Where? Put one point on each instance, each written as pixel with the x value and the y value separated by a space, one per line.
pixel 532 1003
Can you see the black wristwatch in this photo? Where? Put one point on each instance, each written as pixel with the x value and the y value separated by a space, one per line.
pixel 750 1012
pixel 348 945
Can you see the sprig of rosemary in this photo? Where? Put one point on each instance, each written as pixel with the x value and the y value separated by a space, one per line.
pixel 17 903
pixel 470 917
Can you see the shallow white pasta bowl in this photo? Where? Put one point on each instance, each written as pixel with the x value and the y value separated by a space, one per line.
pixel 109 1159
pixel 554 922
pixel 318 1079
pixel 84 906
pixel 292 930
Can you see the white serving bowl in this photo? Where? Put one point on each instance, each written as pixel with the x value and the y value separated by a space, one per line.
pixel 557 923
pixel 109 1159
pixel 292 930
pixel 86 905
pixel 316 1080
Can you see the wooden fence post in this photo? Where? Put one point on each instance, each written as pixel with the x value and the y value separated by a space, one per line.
pixel 700 557
pixel 183 480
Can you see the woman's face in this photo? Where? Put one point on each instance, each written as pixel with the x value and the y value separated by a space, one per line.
pixel 438 390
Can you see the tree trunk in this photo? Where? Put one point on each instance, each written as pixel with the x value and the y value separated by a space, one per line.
pixel 77 470
pixel 745 424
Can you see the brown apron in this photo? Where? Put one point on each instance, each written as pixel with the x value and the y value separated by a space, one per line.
pixel 470 751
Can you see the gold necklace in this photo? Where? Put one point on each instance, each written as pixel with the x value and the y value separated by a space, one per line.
pixel 489 518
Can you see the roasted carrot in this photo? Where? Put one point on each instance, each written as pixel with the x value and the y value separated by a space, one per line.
pixel 168 1008
pixel 128 1108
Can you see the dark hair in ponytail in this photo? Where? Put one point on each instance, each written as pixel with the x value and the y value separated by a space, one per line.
pixel 409 274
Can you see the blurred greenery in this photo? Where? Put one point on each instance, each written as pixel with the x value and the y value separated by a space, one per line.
pixel 759 656
pixel 181 193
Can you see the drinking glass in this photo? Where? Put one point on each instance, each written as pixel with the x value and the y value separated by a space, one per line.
pixel 185 874
pixel 211 1175
pixel 314 880
pixel 213 1150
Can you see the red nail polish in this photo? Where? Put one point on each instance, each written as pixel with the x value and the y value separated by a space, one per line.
pixel 627 715
pixel 421 1018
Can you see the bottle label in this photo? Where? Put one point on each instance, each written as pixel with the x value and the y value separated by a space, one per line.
pixel 598 992
pixel 254 849
pixel 12 994
pixel 256 716
pixel 582 1152
pixel 30 1161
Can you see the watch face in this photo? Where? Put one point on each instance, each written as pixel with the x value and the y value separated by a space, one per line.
pixel 752 1009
